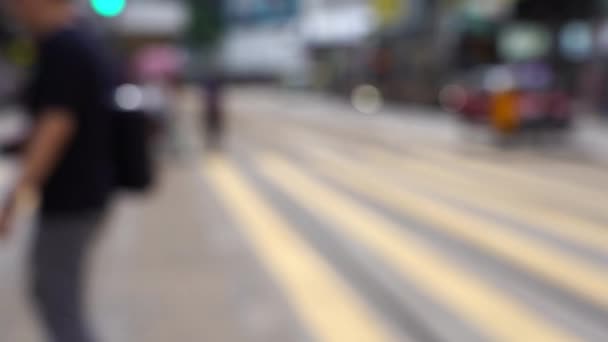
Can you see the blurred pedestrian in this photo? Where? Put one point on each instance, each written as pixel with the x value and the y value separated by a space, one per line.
pixel 67 161
pixel 214 116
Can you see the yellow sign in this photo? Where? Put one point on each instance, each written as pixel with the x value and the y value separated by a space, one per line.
pixel 389 11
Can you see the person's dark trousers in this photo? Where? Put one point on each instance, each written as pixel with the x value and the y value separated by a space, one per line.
pixel 214 115
pixel 58 274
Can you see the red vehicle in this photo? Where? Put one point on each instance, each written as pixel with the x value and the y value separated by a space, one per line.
pixel 535 101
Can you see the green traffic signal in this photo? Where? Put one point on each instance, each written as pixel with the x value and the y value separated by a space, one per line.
pixel 108 8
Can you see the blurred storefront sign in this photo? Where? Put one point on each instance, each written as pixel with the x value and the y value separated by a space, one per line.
pixel 407 16
pixel 152 18
pixel 576 41
pixel 488 8
pixel 525 41
pixel 263 52
pixel 253 11
pixel 264 39
pixel 389 12
pixel 340 25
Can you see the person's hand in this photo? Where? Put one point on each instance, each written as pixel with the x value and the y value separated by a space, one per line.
pixel 7 213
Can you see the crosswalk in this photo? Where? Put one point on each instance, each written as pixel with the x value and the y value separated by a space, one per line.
pixel 505 255
pixel 306 279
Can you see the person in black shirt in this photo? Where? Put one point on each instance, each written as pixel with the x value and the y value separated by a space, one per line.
pixel 67 160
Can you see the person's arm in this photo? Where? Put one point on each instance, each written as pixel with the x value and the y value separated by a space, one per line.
pixel 59 85
pixel 52 132
pixel 45 149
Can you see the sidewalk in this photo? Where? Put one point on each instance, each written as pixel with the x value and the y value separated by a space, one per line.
pixel 168 267
pixel 154 278
pixel 154 275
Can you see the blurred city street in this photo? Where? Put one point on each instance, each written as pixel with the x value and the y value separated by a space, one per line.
pixel 317 222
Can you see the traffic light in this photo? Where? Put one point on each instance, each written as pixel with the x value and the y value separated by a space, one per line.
pixel 108 8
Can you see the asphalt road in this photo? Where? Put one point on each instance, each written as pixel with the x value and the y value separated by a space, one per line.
pixel 315 222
